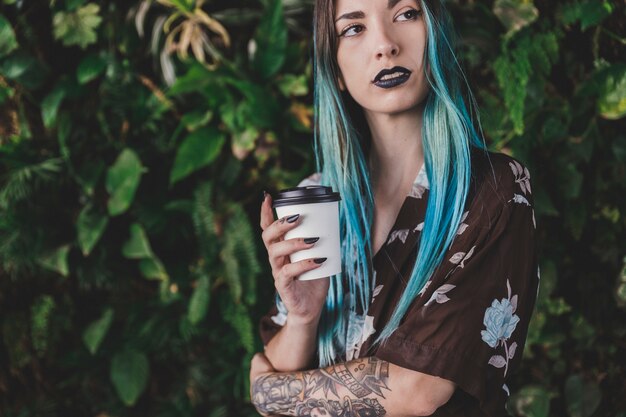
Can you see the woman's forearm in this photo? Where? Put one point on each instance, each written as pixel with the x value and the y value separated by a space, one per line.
pixel 293 347
pixel 366 386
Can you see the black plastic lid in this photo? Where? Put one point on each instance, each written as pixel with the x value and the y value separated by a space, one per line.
pixel 305 195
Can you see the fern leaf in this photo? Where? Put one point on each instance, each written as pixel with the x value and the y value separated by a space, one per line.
pixel 238 317
pixel 40 313
pixel 24 181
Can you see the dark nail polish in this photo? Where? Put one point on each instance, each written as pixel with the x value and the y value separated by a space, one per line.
pixel 319 260
pixel 293 218
pixel 310 240
pixel 265 195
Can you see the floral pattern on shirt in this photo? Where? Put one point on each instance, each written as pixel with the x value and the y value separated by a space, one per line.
pixel 281 317
pixel 500 322
pixel 360 328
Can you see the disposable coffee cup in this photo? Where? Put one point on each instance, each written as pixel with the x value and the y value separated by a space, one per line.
pixel 318 207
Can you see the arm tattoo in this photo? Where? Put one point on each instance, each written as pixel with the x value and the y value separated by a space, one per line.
pixel 277 392
pixel 349 408
pixel 292 393
pixel 361 377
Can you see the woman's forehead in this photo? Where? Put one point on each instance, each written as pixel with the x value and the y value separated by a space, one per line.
pixel 349 6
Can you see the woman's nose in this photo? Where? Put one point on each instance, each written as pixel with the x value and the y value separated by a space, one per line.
pixel 386 46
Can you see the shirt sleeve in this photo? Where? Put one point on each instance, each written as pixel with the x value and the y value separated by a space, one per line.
pixel 469 325
pixel 273 321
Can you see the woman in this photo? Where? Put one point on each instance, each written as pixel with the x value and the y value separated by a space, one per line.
pixel 440 274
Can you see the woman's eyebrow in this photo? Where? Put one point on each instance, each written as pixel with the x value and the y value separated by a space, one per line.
pixel 351 15
pixel 360 15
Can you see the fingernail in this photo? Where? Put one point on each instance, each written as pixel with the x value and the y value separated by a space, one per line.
pixel 319 260
pixel 293 218
pixel 265 194
pixel 310 240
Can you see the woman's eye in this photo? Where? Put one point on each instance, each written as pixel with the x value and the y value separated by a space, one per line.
pixel 352 30
pixel 410 14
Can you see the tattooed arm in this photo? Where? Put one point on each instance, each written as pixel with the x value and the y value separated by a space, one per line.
pixel 362 387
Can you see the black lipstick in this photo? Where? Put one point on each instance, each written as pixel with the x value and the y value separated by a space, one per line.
pixel 402 75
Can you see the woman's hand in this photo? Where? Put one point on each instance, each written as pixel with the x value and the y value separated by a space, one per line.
pixel 303 299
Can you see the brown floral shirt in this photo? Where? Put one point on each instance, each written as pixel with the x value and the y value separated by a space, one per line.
pixel 469 323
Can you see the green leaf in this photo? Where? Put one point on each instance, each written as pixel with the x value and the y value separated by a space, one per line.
pixel 293 85
pixel 530 401
pixel 8 43
pixel 122 181
pixel 196 119
pixel 589 13
pixel 238 317
pixel 593 12
pixel 41 311
pixel 271 40
pixel 129 374
pixel 198 150
pixel 25 69
pixel 557 306
pixel 612 100
pixel 137 246
pixel 183 5
pixel 515 14
pixel 64 129
pixel 196 78
pixel 260 108
pixel 243 143
pixel 50 105
pixel 534 54
pixel 238 256
pixel 582 398
pixel 90 225
pixel 89 68
pixel 152 268
pixel 95 332
pixel 199 303
pixel 5 93
pixel 16 65
pixel 73 4
pixel 89 174
pixel 78 27
pixel 57 261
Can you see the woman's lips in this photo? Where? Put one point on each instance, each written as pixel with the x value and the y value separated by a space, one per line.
pixel 389 78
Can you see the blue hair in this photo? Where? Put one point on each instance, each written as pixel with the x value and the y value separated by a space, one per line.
pixel 341 143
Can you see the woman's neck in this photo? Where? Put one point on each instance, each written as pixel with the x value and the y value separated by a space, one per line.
pixel 396 152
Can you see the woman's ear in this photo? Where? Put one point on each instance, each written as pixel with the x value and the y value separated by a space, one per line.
pixel 342 86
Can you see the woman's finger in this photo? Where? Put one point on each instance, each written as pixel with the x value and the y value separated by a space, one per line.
pixel 275 231
pixel 280 250
pixel 292 270
pixel 267 217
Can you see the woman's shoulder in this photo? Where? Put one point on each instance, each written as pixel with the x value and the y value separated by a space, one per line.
pixel 501 177
pixel 313 179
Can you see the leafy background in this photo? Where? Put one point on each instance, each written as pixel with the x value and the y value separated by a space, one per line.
pixel 136 138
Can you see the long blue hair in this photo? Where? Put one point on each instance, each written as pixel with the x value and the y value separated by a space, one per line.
pixel 341 144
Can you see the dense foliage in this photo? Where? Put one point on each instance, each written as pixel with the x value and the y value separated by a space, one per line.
pixel 136 139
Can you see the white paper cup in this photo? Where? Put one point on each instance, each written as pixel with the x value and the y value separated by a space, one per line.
pixel 318 207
